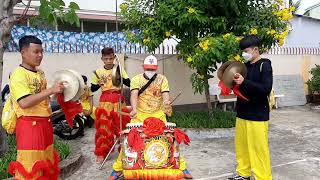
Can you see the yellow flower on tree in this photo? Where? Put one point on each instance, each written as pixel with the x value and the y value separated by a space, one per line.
pixel 130 35
pixel 281 42
pixel 146 40
pixel 253 31
pixel 226 36
pixel 271 32
pixel 280 1
pixel 204 45
pixel 191 10
pixel 292 8
pixel 284 14
pixel 189 59
pixel 239 38
pixel 168 34
pixel 237 57
pixel 124 7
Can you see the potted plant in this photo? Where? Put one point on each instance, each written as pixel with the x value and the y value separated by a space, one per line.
pixel 314 83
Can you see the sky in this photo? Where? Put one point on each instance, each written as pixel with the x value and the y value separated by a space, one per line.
pixel 110 5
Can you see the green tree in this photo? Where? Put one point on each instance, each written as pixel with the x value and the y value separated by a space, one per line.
pixel 49 10
pixel 207 31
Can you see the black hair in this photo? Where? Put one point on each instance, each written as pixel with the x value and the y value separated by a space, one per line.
pixel 85 79
pixel 249 41
pixel 107 51
pixel 25 41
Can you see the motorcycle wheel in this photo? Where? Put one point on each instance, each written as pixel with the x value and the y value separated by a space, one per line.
pixel 69 133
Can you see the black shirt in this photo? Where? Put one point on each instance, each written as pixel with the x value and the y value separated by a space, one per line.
pixel 256 87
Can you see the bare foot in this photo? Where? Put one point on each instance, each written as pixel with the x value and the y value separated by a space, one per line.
pixel 99 159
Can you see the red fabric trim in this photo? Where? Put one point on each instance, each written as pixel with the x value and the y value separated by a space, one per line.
pixel 33 133
pixel 236 90
pixel 224 89
pixel 111 96
pixel 116 120
pixel 50 170
pixel 153 127
pixel 135 141
pixel 70 108
pixel 180 136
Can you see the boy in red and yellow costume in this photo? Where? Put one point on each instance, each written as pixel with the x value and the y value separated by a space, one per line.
pixel 150 103
pixel 106 113
pixel 36 157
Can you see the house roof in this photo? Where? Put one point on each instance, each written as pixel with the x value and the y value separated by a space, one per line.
pixel 313 7
pixel 307 17
pixel 82 14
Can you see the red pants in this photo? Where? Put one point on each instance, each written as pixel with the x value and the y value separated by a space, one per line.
pixel 36 157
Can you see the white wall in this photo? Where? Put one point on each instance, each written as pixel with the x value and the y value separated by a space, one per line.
pixel 177 72
pixel 305 32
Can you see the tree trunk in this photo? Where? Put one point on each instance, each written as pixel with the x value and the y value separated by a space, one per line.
pixel 3 135
pixel 7 20
pixel 208 99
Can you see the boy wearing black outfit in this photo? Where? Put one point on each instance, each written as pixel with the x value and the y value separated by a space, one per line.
pixel 251 132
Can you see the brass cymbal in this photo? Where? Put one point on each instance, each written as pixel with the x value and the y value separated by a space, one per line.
pixel 70 82
pixel 231 70
pixel 81 85
pixel 116 75
pixel 222 68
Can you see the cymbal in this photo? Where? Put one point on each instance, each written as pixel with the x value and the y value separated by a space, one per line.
pixel 222 68
pixel 81 85
pixel 70 82
pixel 231 70
pixel 116 75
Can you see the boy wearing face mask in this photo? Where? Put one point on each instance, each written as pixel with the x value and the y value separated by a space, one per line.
pixel 108 102
pixel 149 98
pixel 251 132
pixel 154 100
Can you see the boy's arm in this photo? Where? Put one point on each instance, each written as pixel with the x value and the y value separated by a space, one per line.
pixel 95 85
pixel 91 103
pixel 34 99
pixel 134 102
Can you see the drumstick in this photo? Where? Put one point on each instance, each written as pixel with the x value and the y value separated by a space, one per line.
pixel 123 113
pixel 176 97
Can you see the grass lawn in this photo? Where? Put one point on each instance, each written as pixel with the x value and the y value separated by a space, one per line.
pixel 61 147
pixel 201 119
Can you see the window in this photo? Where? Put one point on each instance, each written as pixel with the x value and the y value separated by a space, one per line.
pixel 111 26
pixel 63 26
pixel 90 26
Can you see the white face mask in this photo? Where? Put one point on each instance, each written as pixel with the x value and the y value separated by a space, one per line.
pixel 247 56
pixel 150 74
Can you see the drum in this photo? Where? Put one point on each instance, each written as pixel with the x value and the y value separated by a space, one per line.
pixel 169 125
pixel 160 155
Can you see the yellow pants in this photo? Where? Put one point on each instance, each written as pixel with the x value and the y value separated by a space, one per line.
pixel 252 151
pixel 117 166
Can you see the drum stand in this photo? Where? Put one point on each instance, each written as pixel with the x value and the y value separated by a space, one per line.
pixel 119 110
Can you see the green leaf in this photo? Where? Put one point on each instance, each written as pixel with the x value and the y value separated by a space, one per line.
pixel 44 11
pixel 74 6
pixel 51 18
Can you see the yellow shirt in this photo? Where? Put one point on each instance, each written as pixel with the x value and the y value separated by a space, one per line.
pixel 105 76
pixel 24 82
pixel 151 99
pixel 85 98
